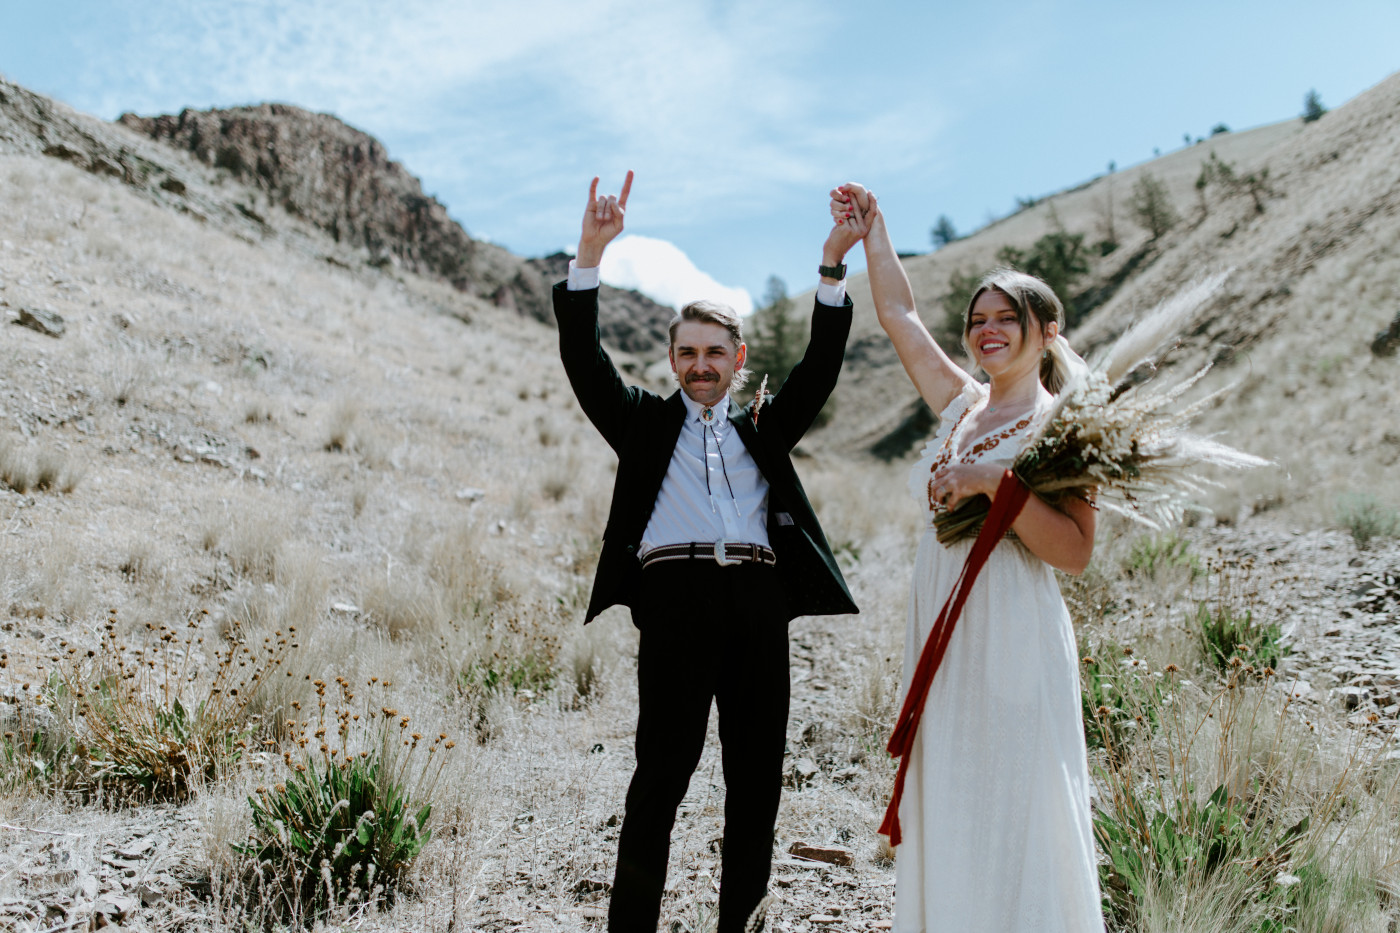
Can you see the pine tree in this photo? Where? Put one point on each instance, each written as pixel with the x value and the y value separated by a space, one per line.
pixel 1152 206
pixel 1312 106
pixel 943 232
pixel 775 338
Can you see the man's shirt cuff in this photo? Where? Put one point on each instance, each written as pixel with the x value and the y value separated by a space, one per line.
pixel 583 279
pixel 833 295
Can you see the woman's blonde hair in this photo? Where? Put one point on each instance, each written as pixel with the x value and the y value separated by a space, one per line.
pixel 1031 299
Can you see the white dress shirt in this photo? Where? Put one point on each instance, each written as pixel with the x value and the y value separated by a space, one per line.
pixel 712 490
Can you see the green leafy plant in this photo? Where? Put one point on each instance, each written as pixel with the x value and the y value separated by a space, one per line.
pixel 1226 634
pixel 1118 698
pixel 531 673
pixel 1189 841
pixel 351 816
pixel 1151 554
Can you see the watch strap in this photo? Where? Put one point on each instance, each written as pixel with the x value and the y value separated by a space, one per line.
pixel 837 272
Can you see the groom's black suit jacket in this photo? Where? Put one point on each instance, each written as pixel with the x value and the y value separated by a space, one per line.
pixel 642 427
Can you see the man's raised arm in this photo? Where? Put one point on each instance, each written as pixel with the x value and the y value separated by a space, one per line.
pixel 605 398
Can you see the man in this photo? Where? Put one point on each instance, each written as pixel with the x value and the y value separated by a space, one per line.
pixel 712 544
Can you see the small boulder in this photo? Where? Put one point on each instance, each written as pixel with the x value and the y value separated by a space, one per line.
pixel 830 855
pixel 44 321
pixel 800 773
pixel 1388 340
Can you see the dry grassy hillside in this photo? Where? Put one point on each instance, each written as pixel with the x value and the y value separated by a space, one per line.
pixel 244 468
pixel 244 441
pixel 1315 280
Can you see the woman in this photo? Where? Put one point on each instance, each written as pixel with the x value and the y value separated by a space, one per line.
pixel 995 811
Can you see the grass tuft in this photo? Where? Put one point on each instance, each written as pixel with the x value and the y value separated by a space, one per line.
pixel 151 724
pixel 1367 518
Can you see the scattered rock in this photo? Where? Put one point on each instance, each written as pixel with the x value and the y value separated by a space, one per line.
pixel 589 889
pixel 137 848
pixel 800 773
pixel 1388 340
pixel 470 494
pixel 46 322
pixel 832 856
pixel 1351 697
pixel 117 906
pixel 345 608
pixel 149 894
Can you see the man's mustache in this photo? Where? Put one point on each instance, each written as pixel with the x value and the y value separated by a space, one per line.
pixel 696 377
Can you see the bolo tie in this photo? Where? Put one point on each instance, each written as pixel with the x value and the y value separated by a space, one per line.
pixel 731 526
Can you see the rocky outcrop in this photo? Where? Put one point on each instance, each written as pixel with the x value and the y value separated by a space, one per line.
pixel 627 319
pixel 298 175
pixel 342 181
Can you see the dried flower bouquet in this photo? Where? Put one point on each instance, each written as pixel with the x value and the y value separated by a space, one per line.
pixel 1121 441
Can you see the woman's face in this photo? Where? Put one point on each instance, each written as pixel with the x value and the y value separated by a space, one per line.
pixel 994 336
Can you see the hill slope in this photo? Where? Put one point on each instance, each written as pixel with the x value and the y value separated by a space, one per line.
pixel 279 173
pixel 1316 277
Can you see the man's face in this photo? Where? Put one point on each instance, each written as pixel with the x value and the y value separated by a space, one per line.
pixel 704 360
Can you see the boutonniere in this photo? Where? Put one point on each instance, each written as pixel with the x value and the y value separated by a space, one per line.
pixel 759 397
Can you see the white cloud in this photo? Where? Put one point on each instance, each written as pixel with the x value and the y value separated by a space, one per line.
pixel 505 108
pixel 662 272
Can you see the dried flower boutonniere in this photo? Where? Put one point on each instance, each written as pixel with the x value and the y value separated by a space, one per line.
pixel 759 397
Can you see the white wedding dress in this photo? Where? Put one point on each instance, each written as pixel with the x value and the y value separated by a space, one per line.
pixel 995 813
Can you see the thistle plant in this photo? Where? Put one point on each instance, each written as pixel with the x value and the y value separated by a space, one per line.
pixel 152 722
pixel 345 825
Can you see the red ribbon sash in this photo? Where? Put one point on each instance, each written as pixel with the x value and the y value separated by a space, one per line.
pixel 1010 496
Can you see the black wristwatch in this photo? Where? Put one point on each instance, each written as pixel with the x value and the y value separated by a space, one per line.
pixel 837 272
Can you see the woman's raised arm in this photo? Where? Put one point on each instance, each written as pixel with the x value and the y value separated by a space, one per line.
pixel 933 372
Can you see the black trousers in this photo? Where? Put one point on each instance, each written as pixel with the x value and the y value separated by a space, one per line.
pixel 707 632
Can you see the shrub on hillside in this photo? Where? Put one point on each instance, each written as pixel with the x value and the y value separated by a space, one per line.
pixel 1151 206
pixel 1312 106
pixel 1367 518
pixel 1059 258
pixel 961 285
pixel 943 232
pixel 1216 172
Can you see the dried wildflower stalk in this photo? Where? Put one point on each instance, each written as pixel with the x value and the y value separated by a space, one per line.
pixel 1125 444
pixel 355 802
pixel 152 721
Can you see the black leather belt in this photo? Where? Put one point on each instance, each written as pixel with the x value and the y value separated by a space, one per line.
pixel 733 553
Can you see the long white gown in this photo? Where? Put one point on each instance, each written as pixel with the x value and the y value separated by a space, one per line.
pixel 995 813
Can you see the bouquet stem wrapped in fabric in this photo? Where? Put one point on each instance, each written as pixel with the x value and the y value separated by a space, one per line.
pixel 1121 441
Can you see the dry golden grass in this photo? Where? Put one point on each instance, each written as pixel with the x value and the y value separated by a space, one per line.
pixel 424 507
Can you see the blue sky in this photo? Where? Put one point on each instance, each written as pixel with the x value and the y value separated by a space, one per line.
pixel 737 117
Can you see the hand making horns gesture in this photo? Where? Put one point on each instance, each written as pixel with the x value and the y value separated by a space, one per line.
pixel 602 221
pixel 854 206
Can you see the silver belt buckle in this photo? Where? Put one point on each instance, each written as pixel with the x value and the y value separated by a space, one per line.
pixel 721 557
